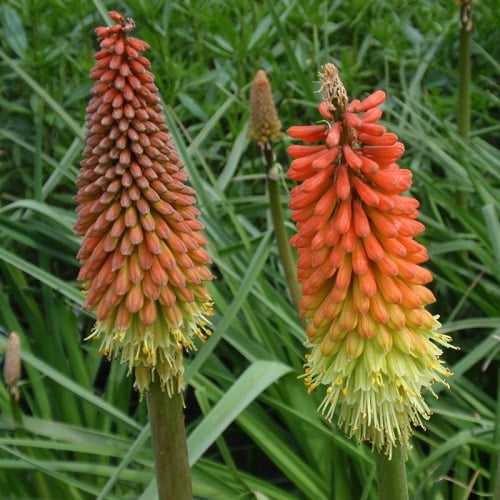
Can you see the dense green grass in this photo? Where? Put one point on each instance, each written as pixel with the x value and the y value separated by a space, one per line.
pixel 253 430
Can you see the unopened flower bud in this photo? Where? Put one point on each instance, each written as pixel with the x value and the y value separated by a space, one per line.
pixel 12 364
pixel 265 126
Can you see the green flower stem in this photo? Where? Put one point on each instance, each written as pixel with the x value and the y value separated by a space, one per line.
pixel 464 69
pixel 391 475
pixel 464 80
pixel 17 417
pixel 285 252
pixel 166 416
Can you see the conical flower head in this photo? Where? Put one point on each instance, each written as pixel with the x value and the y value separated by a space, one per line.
pixel 265 125
pixel 373 344
pixel 143 257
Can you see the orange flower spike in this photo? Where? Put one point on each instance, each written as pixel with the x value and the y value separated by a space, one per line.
pixel 137 219
pixel 372 343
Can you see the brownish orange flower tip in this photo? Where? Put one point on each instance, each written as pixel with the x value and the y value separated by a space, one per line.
pixel 265 125
pixel 143 258
pixel 372 342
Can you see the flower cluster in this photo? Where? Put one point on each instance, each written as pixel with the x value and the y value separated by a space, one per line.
pixel 265 125
pixel 373 344
pixel 143 257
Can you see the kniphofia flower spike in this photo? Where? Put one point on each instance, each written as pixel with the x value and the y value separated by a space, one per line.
pixel 373 344
pixel 142 256
pixel 265 125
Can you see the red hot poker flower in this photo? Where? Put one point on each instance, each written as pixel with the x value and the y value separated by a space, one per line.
pixel 142 256
pixel 372 342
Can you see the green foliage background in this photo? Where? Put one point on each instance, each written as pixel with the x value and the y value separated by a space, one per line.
pixel 253 430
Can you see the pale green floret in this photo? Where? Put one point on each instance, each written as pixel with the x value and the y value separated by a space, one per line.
pixel 156 349
pixel 379 393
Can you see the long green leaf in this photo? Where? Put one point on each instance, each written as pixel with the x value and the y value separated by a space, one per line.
pixel 248 280
pixel 75 388
pixel 77 129
pixel 43 276
pixel 256 378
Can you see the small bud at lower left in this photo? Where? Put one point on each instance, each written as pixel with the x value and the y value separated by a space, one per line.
pixel 12 365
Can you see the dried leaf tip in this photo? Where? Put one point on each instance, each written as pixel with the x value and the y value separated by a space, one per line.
pixel 332 89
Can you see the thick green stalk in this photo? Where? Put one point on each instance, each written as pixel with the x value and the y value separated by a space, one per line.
pixel 284 249
pixel 495 460
pixel 391 475
pixel 166 417
pixel 496 482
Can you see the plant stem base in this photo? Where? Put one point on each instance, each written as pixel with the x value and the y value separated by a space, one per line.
pixel 391 475
pixel 166 417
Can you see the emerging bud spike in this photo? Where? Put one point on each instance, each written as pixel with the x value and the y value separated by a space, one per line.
pixel 265 126
pixel 12 364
